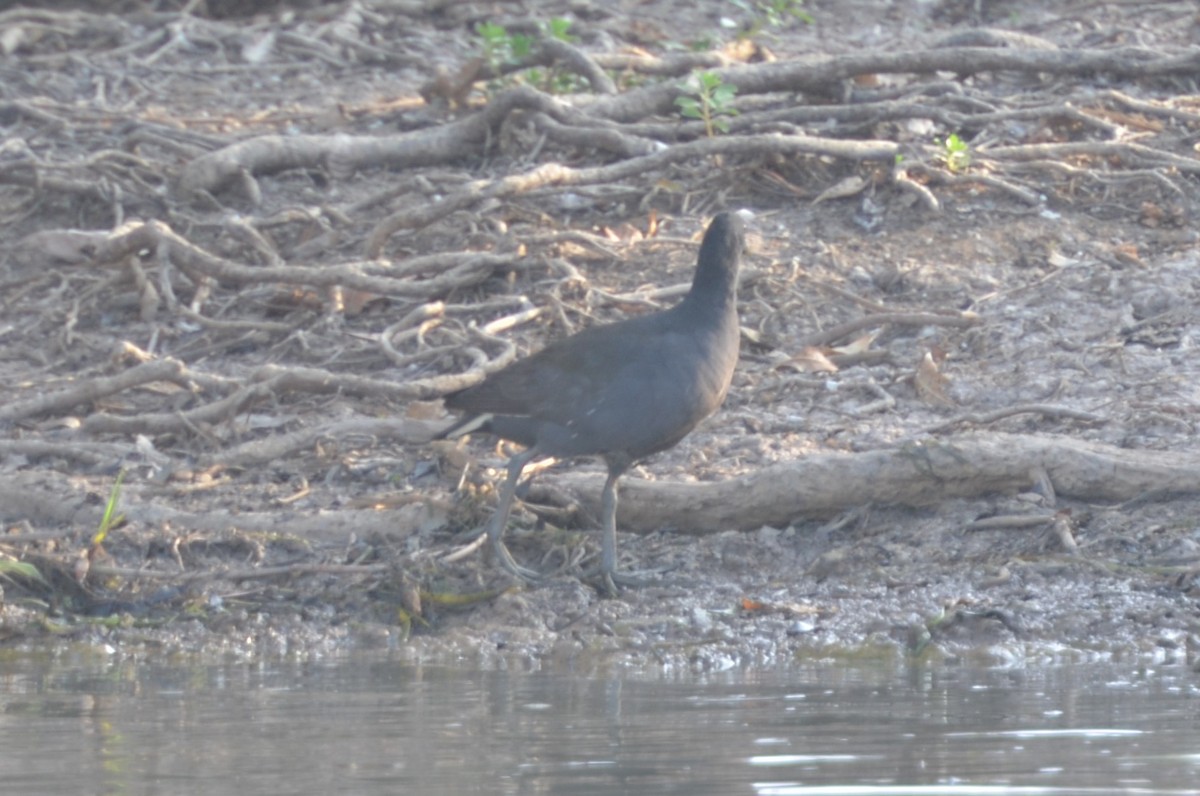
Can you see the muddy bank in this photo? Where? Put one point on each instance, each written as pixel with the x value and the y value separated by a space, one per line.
pixel 245 256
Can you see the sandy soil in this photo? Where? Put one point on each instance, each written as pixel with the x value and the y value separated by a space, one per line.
pixel 1076 269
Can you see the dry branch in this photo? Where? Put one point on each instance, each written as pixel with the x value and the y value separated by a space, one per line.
pixel 315 380
pixel 1128 152
pixel 958 320
pixel 823 74
pixel 89 454
pixel 92 389
pixel 1045 410
pixel 556 175
pixel 344 154
pixel 49 499
pixel 217 411
pixel 466 268
pixel 271 381
pixel 911 475
pixel 280 447
pixel 557 51
pixel 816 486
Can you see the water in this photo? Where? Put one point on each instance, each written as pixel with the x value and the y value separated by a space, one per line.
pixel 366 727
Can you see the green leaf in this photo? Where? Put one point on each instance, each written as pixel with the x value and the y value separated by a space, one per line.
pixel 689 107
pixel 723 95
pixel 520 45
pixel 491 32
pixel 558 29
pixel 110 518
pixel 8 568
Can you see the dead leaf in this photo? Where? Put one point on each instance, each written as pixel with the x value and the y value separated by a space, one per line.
pixel 287 300
pixel 749 604
pixel 859 345
pixel 812 360
pixel 1134 121
pixel 652 224
pixel 782 182
pixel 748 50
pixel 53 246
pixel 81 567
pixel 753 335
pixel 424 410
pixel 1062 529
pixel 1127 254
pixel 1058 260
pixel 258 48
pixel 452 89
pixel 355 301
pixel 623 233
pixel 1151 215
pixel 753 605
pixel 16 36
pixel 931 383
pixel 851 186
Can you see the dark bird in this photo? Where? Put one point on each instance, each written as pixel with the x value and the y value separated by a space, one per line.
pixel 621 391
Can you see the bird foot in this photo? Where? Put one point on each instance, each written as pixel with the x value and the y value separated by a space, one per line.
pixel 510 565
pixel 503 558
pixel 611 583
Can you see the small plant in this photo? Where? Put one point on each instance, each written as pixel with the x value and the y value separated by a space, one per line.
pixel 502 49
pixel 711 102
pixel 558 28
pixel 109 520
pixel 554 81
pixel 497 45
pixel 764 14
pixel 956 153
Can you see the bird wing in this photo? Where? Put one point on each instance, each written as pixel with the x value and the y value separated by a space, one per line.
pixel 553 382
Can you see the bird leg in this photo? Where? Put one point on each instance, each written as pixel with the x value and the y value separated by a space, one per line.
pixel 499 521
pixel 494 530
pixel 610 578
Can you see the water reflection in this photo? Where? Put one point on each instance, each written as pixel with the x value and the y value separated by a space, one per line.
pixel 385 727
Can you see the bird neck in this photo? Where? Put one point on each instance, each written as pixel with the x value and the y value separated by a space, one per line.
pixel 714 289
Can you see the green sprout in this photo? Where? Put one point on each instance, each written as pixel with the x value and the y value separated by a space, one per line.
pixel 711 101
pixel 110 519
pixel 956 153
